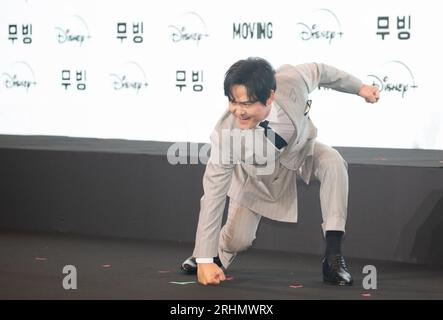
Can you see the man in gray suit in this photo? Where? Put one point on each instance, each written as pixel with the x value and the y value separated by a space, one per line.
pixel 270 109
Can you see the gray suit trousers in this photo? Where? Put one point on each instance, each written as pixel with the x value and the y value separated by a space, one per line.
pixel 329 168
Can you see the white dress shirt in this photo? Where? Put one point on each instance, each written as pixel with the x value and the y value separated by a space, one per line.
pixel 280 122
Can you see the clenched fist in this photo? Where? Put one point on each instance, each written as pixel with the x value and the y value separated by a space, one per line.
pixel 210 273
pixel 370 93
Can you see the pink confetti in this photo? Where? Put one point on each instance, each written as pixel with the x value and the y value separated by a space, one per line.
pixel 296 286
pixel 41 259
pixel 229 278
pixel 366 295
pixel 441 161
pixel 163 271
pixel 106 265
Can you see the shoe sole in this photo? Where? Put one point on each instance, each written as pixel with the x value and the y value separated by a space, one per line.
pixel 338 283
pixel 186 268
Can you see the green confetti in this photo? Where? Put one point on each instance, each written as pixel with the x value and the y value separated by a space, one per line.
pixel 182 282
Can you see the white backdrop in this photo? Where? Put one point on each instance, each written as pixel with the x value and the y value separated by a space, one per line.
pixel 131 85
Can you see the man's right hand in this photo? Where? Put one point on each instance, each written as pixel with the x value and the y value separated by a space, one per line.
pixel 209 273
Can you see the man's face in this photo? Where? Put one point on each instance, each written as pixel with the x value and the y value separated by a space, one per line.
pixel 248 113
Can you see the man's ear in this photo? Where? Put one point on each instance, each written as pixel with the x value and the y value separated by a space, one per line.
pixel 270 99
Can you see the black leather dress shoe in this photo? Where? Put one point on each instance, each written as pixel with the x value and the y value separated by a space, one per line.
pixel 335 271
pixel 189 266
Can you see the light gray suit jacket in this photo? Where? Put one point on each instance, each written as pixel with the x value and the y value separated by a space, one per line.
pixel 273 195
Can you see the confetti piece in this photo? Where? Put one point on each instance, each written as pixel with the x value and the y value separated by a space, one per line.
pixel 163 271
pixel 182 282
pixel 365 294
pixel 296 286
pixel 229 278
pixel 441 161
pixel 106 265
pixel 41 259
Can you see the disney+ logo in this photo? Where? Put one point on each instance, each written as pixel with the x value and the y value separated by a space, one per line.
pixel 21 76
pixel 396 77
pixel 131 77
pixel 191 27
pixel 68 35
pixel 326 27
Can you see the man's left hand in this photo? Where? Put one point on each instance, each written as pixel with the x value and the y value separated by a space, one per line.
pixel 370 93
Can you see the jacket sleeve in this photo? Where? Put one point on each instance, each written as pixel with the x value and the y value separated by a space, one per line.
pixel 216 182
pixel 322 75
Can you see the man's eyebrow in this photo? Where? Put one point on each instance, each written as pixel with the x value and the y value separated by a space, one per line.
pixel 247 101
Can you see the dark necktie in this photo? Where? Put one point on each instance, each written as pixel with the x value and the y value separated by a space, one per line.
pixel 279 141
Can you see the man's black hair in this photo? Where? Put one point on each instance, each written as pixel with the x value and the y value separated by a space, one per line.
pixel 256 74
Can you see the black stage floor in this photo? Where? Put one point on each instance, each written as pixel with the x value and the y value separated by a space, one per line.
pixel 31 267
